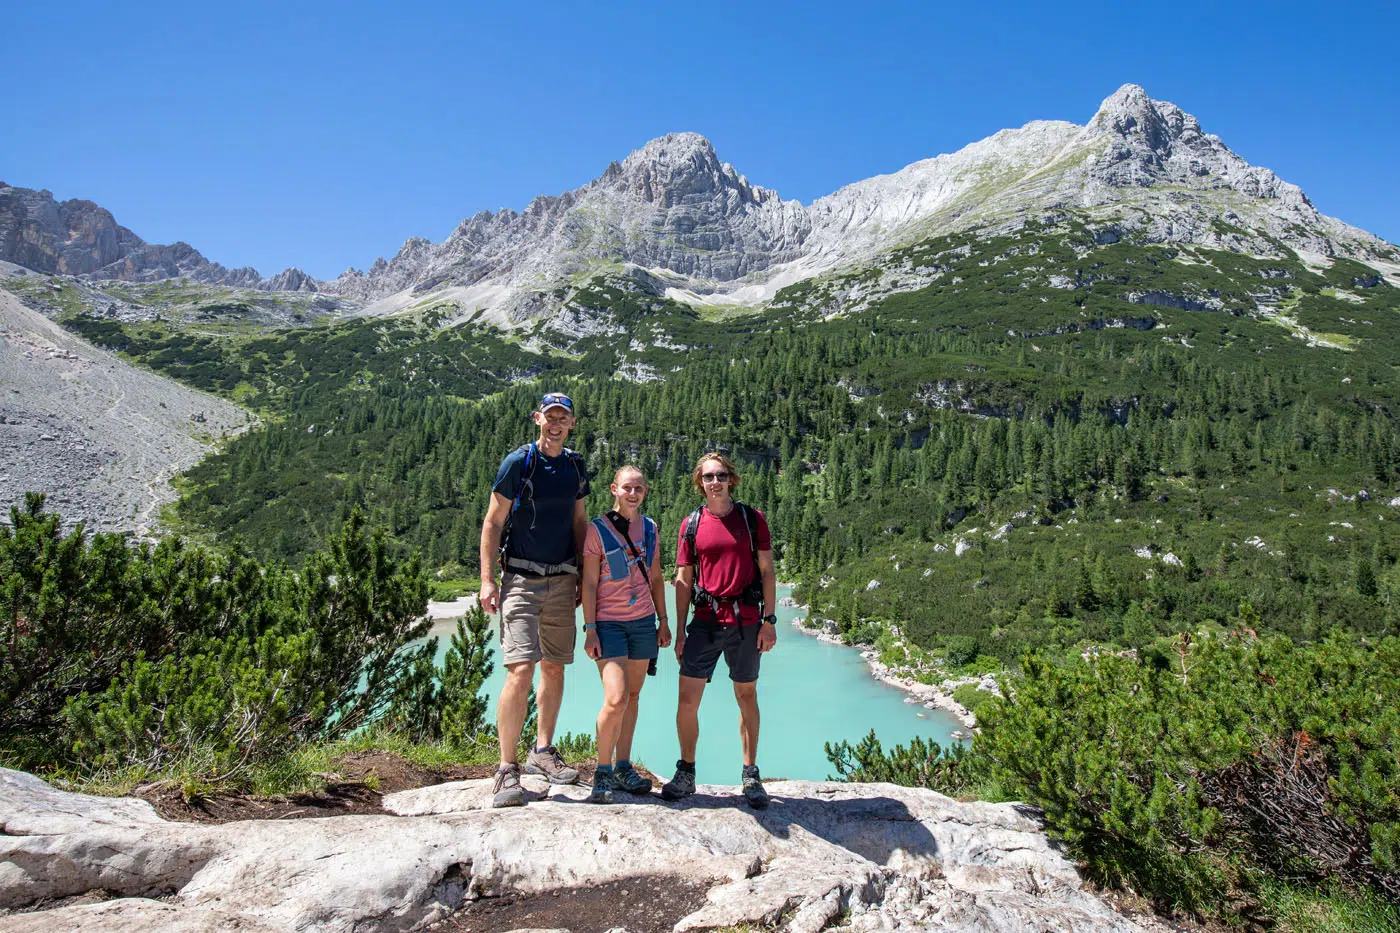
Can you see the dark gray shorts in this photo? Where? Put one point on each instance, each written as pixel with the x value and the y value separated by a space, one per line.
pixel 706 641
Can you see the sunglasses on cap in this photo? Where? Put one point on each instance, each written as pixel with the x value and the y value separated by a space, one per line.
pixel 557 400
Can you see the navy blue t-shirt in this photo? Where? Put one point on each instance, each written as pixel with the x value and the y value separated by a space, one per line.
pixel 543 527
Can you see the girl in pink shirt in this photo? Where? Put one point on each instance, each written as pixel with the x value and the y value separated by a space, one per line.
pixel 624 624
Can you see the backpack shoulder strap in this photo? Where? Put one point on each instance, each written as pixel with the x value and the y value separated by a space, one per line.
pixel 576 459
pixel 527 474
pixel 752 523
pixel 650 537
pixel 692 525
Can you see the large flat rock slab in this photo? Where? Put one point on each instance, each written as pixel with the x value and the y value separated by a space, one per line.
pixel 873 856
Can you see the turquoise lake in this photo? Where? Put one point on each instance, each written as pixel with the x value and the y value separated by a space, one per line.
pixel 809 693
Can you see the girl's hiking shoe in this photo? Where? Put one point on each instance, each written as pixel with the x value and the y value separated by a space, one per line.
pixel 550 763
pixel 507 792
pixel 604 783
pixel 753 788
pixel 682 785
pixel 626 778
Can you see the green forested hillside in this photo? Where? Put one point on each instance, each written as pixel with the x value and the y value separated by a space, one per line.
pixel 1243 461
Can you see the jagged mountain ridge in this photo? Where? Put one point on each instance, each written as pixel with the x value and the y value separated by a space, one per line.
pixel 680 221
pixel 80 238
pixel 696 228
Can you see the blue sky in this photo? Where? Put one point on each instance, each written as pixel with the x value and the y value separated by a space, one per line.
pixel 323 135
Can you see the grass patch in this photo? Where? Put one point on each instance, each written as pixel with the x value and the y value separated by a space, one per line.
pixel 1302 910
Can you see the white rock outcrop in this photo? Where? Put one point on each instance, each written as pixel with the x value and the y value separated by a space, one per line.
pixel 881 856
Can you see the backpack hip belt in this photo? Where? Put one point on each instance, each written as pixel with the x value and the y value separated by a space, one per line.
pixel 518 565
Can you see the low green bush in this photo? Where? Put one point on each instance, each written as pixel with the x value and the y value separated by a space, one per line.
pixel 971 697
pixel 1190 775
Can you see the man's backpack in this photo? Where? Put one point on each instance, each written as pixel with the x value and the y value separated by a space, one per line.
pixel 527 483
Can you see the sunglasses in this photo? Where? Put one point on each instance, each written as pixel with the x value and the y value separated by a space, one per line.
pixel 556 398
pixel 720 477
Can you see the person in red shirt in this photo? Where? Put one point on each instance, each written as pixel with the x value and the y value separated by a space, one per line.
pixel 724 571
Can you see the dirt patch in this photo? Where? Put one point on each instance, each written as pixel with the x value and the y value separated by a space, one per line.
pixel 359 784
pixel 389 773
pixel 338 799
pixel 95 896
pixel 645 904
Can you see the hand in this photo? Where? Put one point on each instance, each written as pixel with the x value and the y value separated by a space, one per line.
pixel 490 597
pixel 767 636
pixel 680 642
pixel 663 635
pixel 591 646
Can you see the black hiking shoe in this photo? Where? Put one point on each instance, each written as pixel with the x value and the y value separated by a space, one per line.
pixel 507 792
pixel 753 788
pixel 604 783
pixel 682 785
pixel 626 778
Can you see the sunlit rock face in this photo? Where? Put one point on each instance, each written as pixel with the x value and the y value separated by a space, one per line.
pixel 1140 168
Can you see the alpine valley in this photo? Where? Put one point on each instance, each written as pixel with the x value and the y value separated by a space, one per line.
pixel 1100 391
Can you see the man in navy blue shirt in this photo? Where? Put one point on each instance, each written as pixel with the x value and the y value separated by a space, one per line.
pixel 540 490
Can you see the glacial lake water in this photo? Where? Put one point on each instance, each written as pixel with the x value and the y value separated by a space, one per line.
pixel 809 693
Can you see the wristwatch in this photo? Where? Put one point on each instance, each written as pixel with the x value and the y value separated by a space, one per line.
pixel 589 625
pixel 771 619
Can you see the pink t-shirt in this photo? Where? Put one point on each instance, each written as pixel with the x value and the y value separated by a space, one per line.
pixel 621 600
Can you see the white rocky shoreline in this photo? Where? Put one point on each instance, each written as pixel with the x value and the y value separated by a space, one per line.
pixel 929 695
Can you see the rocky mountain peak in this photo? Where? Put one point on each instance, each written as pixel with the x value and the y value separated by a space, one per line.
pixel 670 169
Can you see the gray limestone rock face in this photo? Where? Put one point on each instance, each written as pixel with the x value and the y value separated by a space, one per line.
pixel 1140 168
pixel 883 857
pixel 80 238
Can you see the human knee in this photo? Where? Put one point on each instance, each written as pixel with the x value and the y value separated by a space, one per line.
pixel 615 704
pixel 551 672
pixel 518 674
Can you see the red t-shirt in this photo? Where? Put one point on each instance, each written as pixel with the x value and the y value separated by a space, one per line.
pixel 726 562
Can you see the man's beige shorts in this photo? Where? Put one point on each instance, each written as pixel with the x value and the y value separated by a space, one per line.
pixel 537 618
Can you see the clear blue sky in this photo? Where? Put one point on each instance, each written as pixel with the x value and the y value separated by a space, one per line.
pixel 323 135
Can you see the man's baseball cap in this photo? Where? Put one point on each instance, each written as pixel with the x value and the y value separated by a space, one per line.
pixel 556 400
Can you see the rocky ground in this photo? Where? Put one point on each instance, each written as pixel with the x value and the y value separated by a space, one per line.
pixel 101 437
pixel 823 856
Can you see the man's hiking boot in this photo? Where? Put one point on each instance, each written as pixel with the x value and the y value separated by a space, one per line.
pixel 626 778
pixel 604 783
pixel 507 792
pixel 550 763
pixel 682 785
pixel 753 788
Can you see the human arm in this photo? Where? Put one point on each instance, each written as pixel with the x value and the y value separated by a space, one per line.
pixel 658 599
pixel 580 532
pixel 588 579
pixel 685 581
pixel 491 528
pixel 768 632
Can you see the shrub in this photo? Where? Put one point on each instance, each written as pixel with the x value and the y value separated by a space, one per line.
pixel 1166 777
pixel 959 650
pixel 145 657
pixel 446 706
pixel 971 697
pixel 951 771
